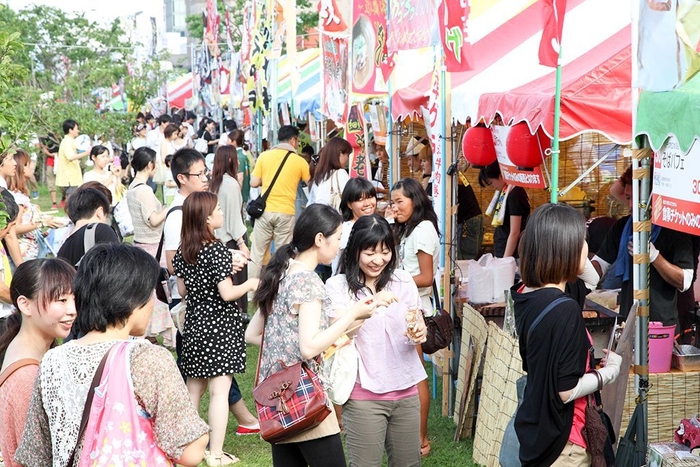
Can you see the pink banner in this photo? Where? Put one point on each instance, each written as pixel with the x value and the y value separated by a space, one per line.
pixel 453 33
pixel 413 24
pixel 369 48
pixel 335 77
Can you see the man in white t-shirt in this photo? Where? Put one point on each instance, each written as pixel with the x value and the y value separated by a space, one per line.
pixel 190 118
pixel 156 136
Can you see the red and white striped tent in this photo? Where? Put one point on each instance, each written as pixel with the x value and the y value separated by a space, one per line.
pixel 507 78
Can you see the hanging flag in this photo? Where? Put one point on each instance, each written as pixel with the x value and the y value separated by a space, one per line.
pixel 454 15
pixel 330 17
pixel 334 93
pixel 355 134
pixel 369 46
pixel 413 24
pixel 553 18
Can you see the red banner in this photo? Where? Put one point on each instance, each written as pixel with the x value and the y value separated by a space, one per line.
pixel 335 77
pixel 369 48
pixel 330 17
pixel 453 15
pixel 676 198
pixel 355 134
pixel 412 24
pixel 553 16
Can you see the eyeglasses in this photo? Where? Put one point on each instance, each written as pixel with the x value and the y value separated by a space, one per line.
pixel 202 174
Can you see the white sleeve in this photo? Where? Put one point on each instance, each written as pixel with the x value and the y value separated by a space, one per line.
pixel 604 265
pixel 589 276
pixel 171 231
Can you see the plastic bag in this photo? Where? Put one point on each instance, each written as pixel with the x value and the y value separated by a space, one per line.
pixel 481 280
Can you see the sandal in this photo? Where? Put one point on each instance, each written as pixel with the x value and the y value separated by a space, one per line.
pixel 425 450
pixel 221 459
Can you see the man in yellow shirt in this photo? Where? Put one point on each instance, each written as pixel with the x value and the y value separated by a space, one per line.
pixel 68 173
pixel 277 222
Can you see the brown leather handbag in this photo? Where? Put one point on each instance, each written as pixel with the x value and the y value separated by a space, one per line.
pixel 289 401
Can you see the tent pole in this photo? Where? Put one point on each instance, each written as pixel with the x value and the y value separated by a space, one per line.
pixel 554 195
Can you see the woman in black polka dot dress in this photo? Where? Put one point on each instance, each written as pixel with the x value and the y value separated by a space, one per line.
pixel 213 342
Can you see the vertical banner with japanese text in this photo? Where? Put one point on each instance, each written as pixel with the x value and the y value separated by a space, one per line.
pixel 413 25
pixel 453 15
pixel 676 187
pixel 355 134
pixel 369 47
pixel 435 128
pixel 335 77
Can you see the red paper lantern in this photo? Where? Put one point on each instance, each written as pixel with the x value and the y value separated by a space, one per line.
pixel 477 146
pixel 526 150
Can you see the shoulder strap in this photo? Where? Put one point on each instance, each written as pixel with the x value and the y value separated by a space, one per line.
pixel 16 366
pixel 162 235
pixel 137 185
pixel 88 403
pixel 89 237
pixel 544 313
pixel 274 179
pixel 436 297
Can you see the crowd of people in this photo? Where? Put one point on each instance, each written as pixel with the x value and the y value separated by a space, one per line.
pixel 355 259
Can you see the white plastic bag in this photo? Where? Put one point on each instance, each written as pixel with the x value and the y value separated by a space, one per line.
pixel 481 280
pixel 503 276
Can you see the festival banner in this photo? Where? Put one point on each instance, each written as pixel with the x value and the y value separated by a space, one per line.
pixel 355 134
pixel 331 17
pixel 453 15
pixel 257 93
pixel 335 78
pixel 413 24
pixel 676 188
pixel 553 16
pixel 669 43
pixel 435 128
pixel 369 47
pixel 511 174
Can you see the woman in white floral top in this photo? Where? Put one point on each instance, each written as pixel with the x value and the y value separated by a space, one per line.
pixel 107 316
pixel 293 307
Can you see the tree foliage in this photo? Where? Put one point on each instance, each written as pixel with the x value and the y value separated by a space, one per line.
pixel 51 65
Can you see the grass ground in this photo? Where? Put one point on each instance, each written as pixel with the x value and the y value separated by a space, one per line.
pixel 255 452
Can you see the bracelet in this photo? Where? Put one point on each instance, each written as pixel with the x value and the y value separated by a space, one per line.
pixel 600 379
pixel 240 242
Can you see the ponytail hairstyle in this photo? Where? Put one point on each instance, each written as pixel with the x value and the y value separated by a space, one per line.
pixel 367 233
pixel 195 232
pixel 40 280
pixel 315 219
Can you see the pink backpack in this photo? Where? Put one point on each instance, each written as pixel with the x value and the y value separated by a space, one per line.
pixel 119 431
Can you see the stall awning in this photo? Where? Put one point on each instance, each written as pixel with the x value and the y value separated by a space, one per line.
pixel 307 97
pixel 180 90
pixel 506 36
pixel 596 95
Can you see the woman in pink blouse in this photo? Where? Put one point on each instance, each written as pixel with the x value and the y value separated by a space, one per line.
pixel 383 412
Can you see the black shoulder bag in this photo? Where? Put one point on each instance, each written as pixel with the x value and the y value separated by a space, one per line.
pixel 256 207
pixel 163 287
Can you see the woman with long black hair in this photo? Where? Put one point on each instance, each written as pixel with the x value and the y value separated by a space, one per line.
pixel 293 312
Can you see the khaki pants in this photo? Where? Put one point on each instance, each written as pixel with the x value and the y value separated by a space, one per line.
pixel 268 227
pixel 573 455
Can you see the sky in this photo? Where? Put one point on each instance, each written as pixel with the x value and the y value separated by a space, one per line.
pixel 94 9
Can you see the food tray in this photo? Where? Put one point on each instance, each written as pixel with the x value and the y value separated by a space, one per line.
pixel 689 361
